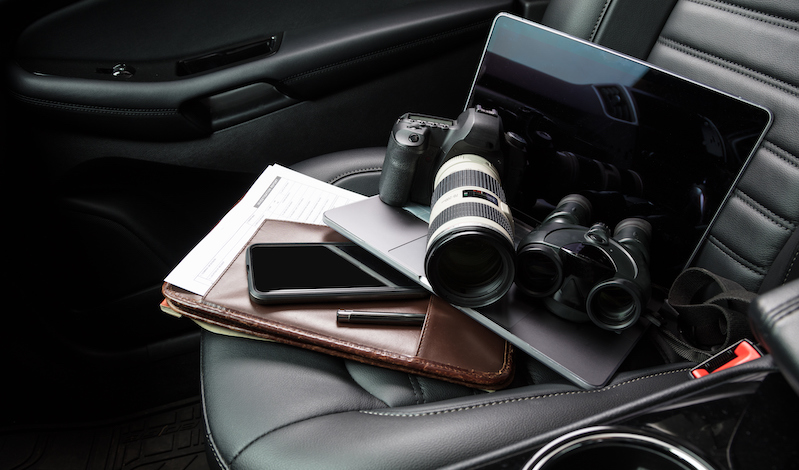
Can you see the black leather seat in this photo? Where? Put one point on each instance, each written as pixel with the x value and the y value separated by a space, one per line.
pixel 273 406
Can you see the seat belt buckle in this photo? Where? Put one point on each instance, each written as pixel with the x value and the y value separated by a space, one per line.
pixel 739 353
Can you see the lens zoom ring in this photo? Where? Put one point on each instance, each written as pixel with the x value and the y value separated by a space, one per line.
pixel 467 178
pixel 470 209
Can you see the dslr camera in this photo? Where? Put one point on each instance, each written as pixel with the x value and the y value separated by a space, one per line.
pixel 419 145
pixel 455 166
pixel 583 273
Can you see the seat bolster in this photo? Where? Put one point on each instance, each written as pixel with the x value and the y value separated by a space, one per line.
pixel 775 316
pixel 628 26
pixel 252 388
pixel 269 405
pixel 357 170
pixel 579 18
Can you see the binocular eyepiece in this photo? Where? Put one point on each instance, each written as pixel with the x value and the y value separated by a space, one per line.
pixel 584 273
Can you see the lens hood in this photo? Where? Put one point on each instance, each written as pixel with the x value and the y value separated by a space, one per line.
pixel 470 266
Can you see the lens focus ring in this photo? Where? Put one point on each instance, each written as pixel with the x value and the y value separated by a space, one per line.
pixel 470 209
pixel 466 178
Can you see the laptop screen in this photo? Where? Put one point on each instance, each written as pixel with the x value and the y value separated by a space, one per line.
pixel 633 139
pixel 636 141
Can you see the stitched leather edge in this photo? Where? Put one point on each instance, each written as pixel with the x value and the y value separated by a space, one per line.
pixel 749 13
pixel 761 77
pixel 737 258
pixel 599 20
pixel 95 109
pixel 791 266
pixel 780 153
pixel 764 211
pixel 359 171
pixel 521 399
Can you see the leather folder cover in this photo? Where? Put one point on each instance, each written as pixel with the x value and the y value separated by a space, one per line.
pixel 449 345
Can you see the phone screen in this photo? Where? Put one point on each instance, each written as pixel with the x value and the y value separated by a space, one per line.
pixel 295 272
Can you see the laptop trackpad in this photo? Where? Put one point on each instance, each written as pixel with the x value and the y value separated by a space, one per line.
pixel 411 254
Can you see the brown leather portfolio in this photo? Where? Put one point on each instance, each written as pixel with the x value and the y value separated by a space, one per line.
pixel 449 345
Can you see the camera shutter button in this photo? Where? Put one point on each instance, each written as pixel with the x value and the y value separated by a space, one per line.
pixel 408 137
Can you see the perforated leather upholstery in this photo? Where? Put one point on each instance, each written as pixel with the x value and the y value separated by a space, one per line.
pixel 273 406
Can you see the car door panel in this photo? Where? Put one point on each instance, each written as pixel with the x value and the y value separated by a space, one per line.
pixel 70 79
pixel 141 165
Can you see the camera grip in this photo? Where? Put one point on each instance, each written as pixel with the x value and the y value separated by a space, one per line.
pixel 399 166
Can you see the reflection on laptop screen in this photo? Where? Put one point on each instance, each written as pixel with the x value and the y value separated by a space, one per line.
pixel 633 139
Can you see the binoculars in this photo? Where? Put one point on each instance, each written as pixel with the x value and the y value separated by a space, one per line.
pixel 583 273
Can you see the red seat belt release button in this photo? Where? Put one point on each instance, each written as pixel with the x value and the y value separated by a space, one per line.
pixel 739 353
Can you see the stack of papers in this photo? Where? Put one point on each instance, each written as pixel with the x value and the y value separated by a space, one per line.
pixel 279 194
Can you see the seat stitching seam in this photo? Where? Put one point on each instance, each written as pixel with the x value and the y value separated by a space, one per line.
pixel 420 382
pixel 599 20
pixel 96 109
pixel 781 153
pixel 415 386
pixel 730 65
pixel 215 453
pixel 518 400
pixel 780 311
pixel 773 217
pixel 752 13
pixel 791 265
pixel 208 437
pixel 353 172
pixel 736 257
pixel 271 431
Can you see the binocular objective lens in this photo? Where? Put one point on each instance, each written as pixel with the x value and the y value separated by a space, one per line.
pixel 539 273
pixel 614 305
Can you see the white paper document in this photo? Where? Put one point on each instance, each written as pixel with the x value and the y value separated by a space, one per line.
pixel 279 194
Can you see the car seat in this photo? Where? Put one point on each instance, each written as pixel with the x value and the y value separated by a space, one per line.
pixel 268 405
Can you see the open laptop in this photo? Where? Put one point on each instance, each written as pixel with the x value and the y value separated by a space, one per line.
pixel 636 140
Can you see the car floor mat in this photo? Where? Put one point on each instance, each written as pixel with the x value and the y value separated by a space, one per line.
pixel 167 438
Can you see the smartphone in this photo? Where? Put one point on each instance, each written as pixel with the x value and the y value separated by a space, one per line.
pixel 318 272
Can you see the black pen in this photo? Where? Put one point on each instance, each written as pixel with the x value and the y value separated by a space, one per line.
pixel 380 318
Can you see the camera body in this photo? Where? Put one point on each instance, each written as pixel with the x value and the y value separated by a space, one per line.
pixel 457 168
pixel 420 144
pixel 583 273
